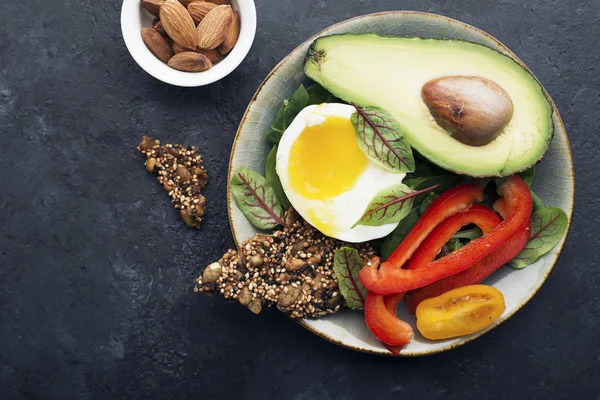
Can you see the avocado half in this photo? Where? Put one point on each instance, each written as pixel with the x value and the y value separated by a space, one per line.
pixel 389 72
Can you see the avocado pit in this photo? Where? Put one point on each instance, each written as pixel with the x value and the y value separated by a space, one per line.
pixel 473 109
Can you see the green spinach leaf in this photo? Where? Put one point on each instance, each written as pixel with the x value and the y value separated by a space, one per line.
pixel 528 175
pixel 547 228
pixel 453 244
pixel 273 178
pixel 428 200
pixel 444 183
pixel 392 240
pixel 538 203
pixel 317 94
pixel 291 107
pixel 469 234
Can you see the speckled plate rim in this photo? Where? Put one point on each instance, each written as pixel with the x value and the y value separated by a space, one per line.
pixel 557 120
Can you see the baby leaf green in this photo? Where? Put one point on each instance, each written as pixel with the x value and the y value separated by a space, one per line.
pixel 347 264
pixel 538 203
pixel 547 228
pixel 428 200
pixel 392 240
pixel 444 183
pixel 317 94
pixel 291 107
pixel 453 244
pixel 528 175
pixel 256 199
pixel 381 138
pixel 390 205
pixel 273 178
pixel 469 234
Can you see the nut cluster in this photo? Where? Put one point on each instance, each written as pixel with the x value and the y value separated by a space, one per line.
pixel 191 36
pixel 291 268
pixel 181 173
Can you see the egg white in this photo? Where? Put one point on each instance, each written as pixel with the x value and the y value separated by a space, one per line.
pixel 345 209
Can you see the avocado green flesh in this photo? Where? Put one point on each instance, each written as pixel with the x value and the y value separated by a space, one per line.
pixel 388 72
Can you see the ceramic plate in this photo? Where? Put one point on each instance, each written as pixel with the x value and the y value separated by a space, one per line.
pixel 554 181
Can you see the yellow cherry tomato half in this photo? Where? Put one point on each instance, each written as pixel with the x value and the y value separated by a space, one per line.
pixel 459 312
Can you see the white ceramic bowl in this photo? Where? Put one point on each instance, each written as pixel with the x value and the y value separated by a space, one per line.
pixel 134 18
pixel 554 180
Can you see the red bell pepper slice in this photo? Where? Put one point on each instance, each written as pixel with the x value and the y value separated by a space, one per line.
pixel 380 315
pixel 391 278
pixel 478 214
pixel 451 202
pixel 475 274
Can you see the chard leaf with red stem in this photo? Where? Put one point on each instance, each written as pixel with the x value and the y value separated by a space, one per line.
pixel 256 199
pixel 347 264
pixel 547 228
pixel 390 205
pixel 381 137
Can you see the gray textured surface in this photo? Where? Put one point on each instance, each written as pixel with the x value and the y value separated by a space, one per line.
pixel 96 269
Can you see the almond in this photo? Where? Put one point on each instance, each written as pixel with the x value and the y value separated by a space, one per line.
pixel 232 36
pixel 177 48
pixel 199 9
pixel 157 44
pixel 190 61
pixel 152 6
pixel 213 29
pixel 186 2
pixel 213 55
pixel 178 24
pixel 220 1
pixel 156 24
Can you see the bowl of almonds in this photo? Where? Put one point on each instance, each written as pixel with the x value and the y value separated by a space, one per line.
pixel 188 42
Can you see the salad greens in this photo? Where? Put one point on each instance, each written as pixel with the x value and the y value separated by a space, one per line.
pixel 273 178
pixel 291 107
pixel 381 137
pixel 347 264
pixel 538 203
pixel 390 205
pixel 256 199
pixel 453 244
pixel 302 97
pixel 391 241
pixel 428 200
pixel 317 94
pixel 547 228
pixel 528 175
pixel 444 182
pixel 469 234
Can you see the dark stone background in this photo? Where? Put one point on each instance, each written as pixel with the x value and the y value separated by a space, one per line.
pixel 96 269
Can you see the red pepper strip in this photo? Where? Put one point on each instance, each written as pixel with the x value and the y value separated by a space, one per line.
pixel 381 319
pixel 390 279
pixel 475 274
pixel 450 202
pixel 478 214
pixel 500 207
pixel 395 350
pixel 391 303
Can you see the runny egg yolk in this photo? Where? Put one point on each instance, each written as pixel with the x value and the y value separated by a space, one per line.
pixel 325 159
